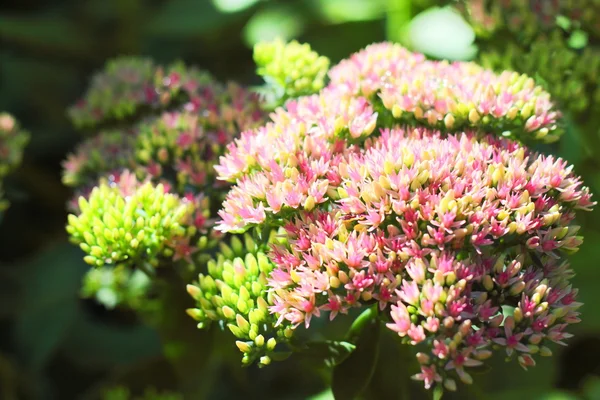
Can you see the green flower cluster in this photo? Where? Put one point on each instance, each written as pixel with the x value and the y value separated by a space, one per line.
pixel 123 393
pixel 12 142
pixel 292 69
pixel 234 294
pixel 528 18
pixel 134 228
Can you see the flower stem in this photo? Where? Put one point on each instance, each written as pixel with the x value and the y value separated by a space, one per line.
pixel 399 14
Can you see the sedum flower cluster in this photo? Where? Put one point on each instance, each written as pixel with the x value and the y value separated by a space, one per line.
pixel 136 227
pixel 143 186
pixel 405 88
pixel 12 141
pixel 290 69
pixel 404 183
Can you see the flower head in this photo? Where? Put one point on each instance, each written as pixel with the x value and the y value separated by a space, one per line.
pixel 135 228
pixel 292 68
pixel 448 96
pixel 447 230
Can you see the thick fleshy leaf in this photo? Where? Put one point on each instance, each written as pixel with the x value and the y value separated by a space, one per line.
pixel 330 352
pixel 352 377
pixel 442 33
pixel 273 23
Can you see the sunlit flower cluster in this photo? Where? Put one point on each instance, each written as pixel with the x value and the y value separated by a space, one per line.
pixel 134 224
pixel 448 96
pixel 12 141
pixel 446 231
pixel 460 235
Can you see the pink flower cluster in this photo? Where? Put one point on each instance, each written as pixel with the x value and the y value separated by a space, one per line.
pixel 293 156
pixel 445 231
pixel 460 237
pixel 448 96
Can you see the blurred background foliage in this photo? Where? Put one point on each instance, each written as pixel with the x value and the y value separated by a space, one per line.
pixel 54 345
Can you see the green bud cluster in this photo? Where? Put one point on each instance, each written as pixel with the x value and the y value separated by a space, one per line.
pixel 123 393
pixel 12 142
pixel 117 286
pixel 234 294
pixel 292 67
pixel 134 228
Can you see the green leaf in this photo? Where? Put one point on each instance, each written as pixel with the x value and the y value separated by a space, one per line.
pixel 280 355
pixel 365 319
pixel 578 39
pixel 352 377
pixel 591 387
pixel 341 11
pixel 442 33
pixel 563 22
pixel 46 33
pixel 94 343
pixel 50 303
pixel 326 394
pixel 232 6
pixel 270 24
pixel 180 19
pixel 438 392
pixel 330 352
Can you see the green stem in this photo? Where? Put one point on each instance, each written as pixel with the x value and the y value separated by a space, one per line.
pixel 147 268
pixel 399 14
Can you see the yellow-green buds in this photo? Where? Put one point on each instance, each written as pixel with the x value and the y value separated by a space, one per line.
pixel 234 293
pixel 134 228
pixel 292 67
